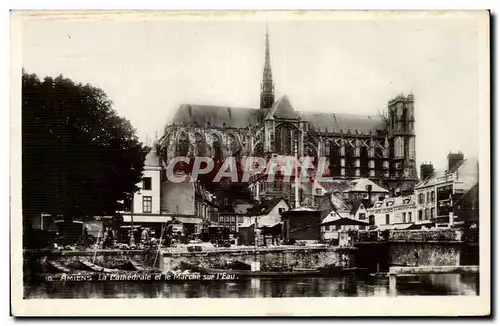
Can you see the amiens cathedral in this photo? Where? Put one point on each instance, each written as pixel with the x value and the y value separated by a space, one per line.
pixel 378 147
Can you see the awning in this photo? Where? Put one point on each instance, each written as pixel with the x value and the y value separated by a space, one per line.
pixel 402 226
pixel 345 221
pixel 148 218
pixel 189 220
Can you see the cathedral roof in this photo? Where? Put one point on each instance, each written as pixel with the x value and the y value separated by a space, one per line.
pixel 334 122
pixel 282 109
pixel 218 116
pixel 224 116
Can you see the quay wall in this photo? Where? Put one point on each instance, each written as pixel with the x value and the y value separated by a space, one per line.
pixel 33 259
pixel 268 259
pixel 414 253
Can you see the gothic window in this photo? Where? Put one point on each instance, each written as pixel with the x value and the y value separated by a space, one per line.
pixel 216 148
pixel 259 150
pixel 201 148
pixel 356 148
pixel 327 148
pixel 233 144
pixel 285 138
pixel 183 144
pixel 405 118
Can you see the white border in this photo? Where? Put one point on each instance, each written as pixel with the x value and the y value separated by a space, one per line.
pixel 400 306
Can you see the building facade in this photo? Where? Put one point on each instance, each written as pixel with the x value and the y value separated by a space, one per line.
pixel 439 194
pixel 381 148
pixel 394 210
pixel 160 201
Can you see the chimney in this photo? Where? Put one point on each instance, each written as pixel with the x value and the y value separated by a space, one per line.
pixel 426 170
pixel 454 159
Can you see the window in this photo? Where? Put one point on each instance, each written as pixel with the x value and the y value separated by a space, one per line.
pixel 387 219
pixel 427 197
pixel 390 203
pixel 281 210
pixel 409 216
pixel 426 213
pixel 404 217
pixel 362 216
pixel 146 183
pixel 146 204
pixel 240 219
pixel 420 213
pixel 406 201
pixel 318 191
pixel 433 196
pixel 377 205
pixel 327 228
pixel 233 219
pixel 432 212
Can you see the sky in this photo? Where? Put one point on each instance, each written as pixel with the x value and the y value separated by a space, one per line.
pixel 150 64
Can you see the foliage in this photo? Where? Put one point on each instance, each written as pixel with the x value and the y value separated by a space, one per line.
pixel 79 157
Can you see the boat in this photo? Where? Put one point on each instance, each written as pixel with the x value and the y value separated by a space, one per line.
pixel 97 268
pixel 57 267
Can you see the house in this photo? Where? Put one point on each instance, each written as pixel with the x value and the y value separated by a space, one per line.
pixel 358 211
pixel 438 192
pixel 262 219
pixel 362 189
pixel 159 200
pixel 234 215
pixel 393 210
pixel 268 212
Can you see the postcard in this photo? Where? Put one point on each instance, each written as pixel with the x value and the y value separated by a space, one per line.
pixel 250 163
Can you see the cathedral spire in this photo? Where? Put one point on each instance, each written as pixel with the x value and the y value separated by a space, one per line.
pixel 267 86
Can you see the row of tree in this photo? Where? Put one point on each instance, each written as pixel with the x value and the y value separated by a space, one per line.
pixel 80 158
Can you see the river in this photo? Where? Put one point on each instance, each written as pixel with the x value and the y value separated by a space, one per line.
pixel 443 284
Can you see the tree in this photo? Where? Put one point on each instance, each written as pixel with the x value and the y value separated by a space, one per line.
pixel 79 157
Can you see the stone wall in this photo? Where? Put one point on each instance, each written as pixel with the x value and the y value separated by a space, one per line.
pixel 33 260
pixel 425 235
pixel 269 259
pixel 275 259
pixel 424 254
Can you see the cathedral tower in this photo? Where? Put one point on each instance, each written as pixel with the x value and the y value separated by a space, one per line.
pixel 267 86
pixel 401 128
